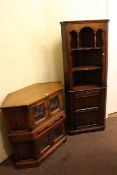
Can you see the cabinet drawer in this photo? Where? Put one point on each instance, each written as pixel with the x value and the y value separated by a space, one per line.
pixel 86 102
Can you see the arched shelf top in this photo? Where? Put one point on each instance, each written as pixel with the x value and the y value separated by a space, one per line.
pixel 86 29
pixel 74 42
pixel 86 37
pixel 73 32
pixel 99 40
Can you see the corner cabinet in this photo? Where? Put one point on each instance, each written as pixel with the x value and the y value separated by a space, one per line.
pixel 85 55
pixel 35 122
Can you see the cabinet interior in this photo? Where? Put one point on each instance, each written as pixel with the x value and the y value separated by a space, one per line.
pixel 86 54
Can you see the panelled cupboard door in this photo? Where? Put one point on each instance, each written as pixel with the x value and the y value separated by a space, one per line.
pixel 55 103
pixel 86 111
pixel 39 112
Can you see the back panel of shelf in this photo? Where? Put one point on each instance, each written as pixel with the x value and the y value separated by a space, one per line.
pixel 92 57
pixel 86 78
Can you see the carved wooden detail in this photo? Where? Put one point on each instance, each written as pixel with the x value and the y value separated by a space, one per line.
pixel 38 112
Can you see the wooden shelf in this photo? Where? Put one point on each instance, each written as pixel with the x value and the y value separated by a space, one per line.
pixel 85 68
pixel 86 48
pixel 85 87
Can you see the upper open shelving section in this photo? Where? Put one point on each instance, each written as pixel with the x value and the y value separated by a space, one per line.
pixel 86 39
pixel 86 53
pixel 84 46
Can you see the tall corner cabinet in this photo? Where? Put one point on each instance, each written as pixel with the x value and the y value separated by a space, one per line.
pixel 85 55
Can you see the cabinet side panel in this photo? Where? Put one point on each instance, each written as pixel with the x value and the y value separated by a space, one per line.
pixel 24 150
pixel 65 56
pixel 16 119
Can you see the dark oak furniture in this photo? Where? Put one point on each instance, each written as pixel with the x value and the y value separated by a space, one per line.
pixel 35 121
pixel 85 55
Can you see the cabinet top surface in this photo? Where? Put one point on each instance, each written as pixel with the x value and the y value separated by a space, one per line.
pixel 86 21
pixel 31 94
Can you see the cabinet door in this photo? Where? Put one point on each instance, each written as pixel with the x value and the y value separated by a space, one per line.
pixel 55 103
pixel 89 109
pixel 57 133
pixel 39 112
pixel 49 137
pixel 86 118
pixel 86 102
pixel 43 143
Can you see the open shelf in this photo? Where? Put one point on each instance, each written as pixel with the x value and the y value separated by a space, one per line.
pixel 86 87
pixel 86 58
pixel 90 76
pixel 87 48
pixel 85 68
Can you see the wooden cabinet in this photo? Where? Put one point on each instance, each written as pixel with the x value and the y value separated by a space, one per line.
pixel 35 121
pixel 85 55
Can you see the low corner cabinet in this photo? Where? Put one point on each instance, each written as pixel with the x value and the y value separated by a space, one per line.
pixel 35 121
